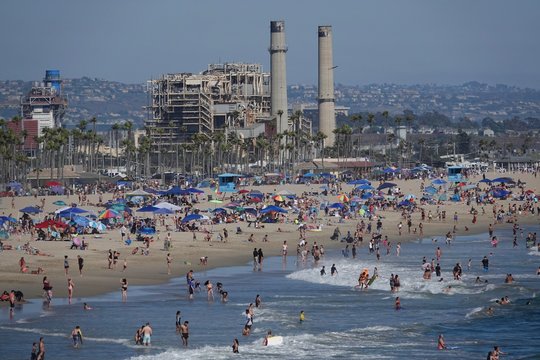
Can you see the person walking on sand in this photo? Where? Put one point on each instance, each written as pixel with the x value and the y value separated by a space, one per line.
pixel 66 265
pixel 80 261
pixel 70 285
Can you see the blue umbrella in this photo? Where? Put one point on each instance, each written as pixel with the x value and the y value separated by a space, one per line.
pixel 273 208
pixel 430 190
pixel 81 221
pixel 386 185
pixel 31 210
pixel 219 210
pixel 72 211
pixel 364 187
pixel 59 203
pixel 147 208
pixel 7 218
pixel 486 180
pixel 147 231
pixel 439 182
pixel 192 217
pixel 309 175
pixel 367 196
pixel 359 182
pixel 163 211
pixel 195 191
pixel 336 206
pixel 503 180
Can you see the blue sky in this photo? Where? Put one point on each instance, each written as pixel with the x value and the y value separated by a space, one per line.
pixel 379 41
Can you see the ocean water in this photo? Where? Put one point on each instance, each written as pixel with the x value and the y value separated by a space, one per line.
pixel 342 322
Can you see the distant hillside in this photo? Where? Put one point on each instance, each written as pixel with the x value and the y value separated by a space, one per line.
pixel 112 102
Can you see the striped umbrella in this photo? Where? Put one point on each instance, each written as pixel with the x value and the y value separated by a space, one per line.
pixel 108 214
pixel 343 198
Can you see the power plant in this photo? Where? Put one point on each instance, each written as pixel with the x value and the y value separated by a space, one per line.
pixel 278 73
pixel 327 115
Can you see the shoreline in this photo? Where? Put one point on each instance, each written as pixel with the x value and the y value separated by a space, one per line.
pixel 151 270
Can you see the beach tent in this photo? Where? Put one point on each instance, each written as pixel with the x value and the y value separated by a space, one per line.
pixel 390 170
pixel 439 182
pixel 31 210
pixel 364 187
pixel 167 205
pixel 147 231
pixel 163 211
pixel 386 185
pixel 80 220
pixel 176 190
pixel 192 217
pixel 273 208
pixel 359 182
pixel 147 208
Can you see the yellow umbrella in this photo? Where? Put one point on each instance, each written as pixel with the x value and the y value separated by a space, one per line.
pixel 343 198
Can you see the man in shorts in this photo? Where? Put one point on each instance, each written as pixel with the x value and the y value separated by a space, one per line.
pixel 184 329
pixel 147 334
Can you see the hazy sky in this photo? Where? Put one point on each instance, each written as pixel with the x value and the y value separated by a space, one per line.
pixel 392 41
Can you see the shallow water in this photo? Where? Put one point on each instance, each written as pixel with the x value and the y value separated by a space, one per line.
pixel 342 322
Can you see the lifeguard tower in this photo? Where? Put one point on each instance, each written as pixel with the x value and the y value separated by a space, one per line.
pixel 455 174
pixel 227 183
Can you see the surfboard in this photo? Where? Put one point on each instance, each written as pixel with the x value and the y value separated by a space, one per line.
pixel 371 280
pixel 274 340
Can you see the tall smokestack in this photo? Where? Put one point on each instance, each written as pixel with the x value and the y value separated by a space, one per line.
pixel 278 73
pixel 327 115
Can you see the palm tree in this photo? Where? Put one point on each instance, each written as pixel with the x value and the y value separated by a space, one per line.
pixel 319 143
pixel 115 129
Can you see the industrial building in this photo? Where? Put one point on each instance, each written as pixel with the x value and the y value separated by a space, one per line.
pixel 225 96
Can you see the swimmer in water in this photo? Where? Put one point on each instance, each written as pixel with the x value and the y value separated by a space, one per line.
pixel 86 307
pixel 323 271
pixel 302 316
pixel 398 303
pixel 441 345
pixel 509 279
pixel 333 270
pixel 235 346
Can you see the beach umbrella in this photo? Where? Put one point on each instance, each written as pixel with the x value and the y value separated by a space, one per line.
pixel 336 206
pixel 194 190
pixel 364 187
pixel 147 208
pixel 343 198
pixel 220 210
pixel 486 180
pixel 7 219
pixel 216 201
pixel 356 199
pixel 390 170
pixel 52 183
pixel 169 206
pixel 48 223
pixel 430 190
pixel 59 203
pixel 359 182
pixel 503 180
pixel 386 185
pixel 254 199
pixel 309 175
pixel 108 214
pixel 80 220
pixel 31 210
pixel 439 182
pixel 232 205
pixel 410 196
pixel 4 235
pixel 243 191
pixel 192 217
pixel 163 211
pixel 278 198
pixel 367 196
pixel 272 208
pixel 147 231
pixel 469 187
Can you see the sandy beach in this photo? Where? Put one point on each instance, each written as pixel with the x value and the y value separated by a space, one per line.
pixel 186 252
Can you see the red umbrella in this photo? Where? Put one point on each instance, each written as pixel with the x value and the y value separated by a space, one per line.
pixel 255 199
pixel 47 223
pixel 243 191
pixel 53 183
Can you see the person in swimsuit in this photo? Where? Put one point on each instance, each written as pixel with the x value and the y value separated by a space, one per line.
pixel 235 346
pixel 333 270
pixel 66 264
pixel 41 349
pixel 184 329
pixel 123 288
pixel 441 345
pixel 147 334
pixel 398 303
pixel 76 336
pixel 80 261
pixel 258 301
pixel 178 321
pixel 169 260
pixel 71 285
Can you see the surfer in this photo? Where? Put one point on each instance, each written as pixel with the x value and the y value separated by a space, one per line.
pixel 268 336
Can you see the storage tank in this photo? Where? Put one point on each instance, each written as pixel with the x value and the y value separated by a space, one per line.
pixel 53 77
